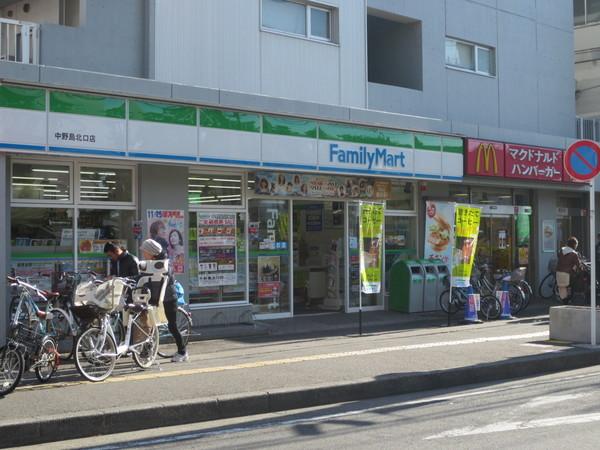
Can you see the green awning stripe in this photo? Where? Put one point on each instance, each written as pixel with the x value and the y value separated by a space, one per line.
pixel 86 104
pixel 22 98
pixel 453 145
pixel 286 126
pixel 365 135
pixel 428 142
pixel 162 112
pixel 230 120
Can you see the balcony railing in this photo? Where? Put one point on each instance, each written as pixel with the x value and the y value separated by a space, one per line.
pixel 588 129
pixel 19 41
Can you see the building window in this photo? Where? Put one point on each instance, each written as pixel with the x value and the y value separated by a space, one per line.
pixel 586 11
pixel 214 190
pixel 395 51
pixel 471 57
pixel 41 182
pixel 98 184
pixel 298 18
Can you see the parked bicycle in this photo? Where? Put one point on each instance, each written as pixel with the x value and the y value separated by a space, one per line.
pixel 579 287
pixel 488 282
pixel 28 347
pixel 97 349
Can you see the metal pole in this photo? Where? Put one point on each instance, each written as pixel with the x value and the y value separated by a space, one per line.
pixel 592 213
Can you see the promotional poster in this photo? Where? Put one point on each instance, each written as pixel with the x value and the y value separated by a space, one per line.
pixel 269 273
pixel 466 232
pixel 371 248
pixel 439 234
pixel 167 227
pixel 217 249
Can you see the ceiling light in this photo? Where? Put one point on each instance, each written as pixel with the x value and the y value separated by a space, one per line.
pixel 87 173
pixel 198 179
pixel 49 171
pixel 225 187
pixel 226 180
pixel 228 196
pixel 34 184
pixel 92 181
pixel 28 178
pixel 197 185
pixel 108 174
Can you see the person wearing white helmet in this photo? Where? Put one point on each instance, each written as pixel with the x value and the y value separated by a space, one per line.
pixel 152 250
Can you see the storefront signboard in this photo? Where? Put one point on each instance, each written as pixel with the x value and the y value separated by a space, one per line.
pixel 549 236
pixel 438 228
pixel 217 249
pixel 370 241
pixel 167 227
pixel 533 163
pixel 466 228
pixel 496 159
pixel 269 273
pixel 307 185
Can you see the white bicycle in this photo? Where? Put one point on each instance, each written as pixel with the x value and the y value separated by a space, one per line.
pixel 97 351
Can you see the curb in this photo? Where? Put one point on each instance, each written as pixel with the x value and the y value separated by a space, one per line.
pixel 153 415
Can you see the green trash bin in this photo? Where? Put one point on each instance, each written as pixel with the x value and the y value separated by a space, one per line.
pixel 430 288
pixel 406 286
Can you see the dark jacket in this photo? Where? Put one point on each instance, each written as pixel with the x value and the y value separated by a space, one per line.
pixel 125 266
pixel 569 261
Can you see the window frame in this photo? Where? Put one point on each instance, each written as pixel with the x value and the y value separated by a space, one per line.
pixel 47 162
pixel 475 47
pixel 308 6
pixel 111 204
pixel 213 171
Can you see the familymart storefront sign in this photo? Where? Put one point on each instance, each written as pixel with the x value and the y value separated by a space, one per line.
pixel 37 120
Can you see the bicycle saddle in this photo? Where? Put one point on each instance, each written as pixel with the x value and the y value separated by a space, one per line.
pixel 50 294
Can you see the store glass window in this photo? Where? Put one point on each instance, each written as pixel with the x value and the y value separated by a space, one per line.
pixel 523 198
pixel 40 181
pixel 579 12
pixel 593 11
pixel 486 196
pixel 400 242
pixel 269 267
pixel 105 184
pixel 214 190
pixel 41 243
pixel 217 257
pixel 96 227
pixel 401 196
pixel 459 194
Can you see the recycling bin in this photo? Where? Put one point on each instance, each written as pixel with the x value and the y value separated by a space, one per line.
pixel 443 272
pixel 430 286
pixel 406 286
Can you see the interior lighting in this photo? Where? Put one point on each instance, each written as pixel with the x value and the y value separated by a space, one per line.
pixel 198 179
pixel 108 174
pixel 225 187
pixel 49 171
pixel 35 185
pixel 29 178
pixel 226 180
pixel 229 196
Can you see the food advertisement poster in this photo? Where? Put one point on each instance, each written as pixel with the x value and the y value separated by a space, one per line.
pixel 438 231
pixel 217 249
pixel 297 185
pixel 549 236
pixel 371 248
pixel 269 272
pixel 167 227
pixel 466 228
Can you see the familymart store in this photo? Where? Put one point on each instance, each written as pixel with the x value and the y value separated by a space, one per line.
pixel 259 213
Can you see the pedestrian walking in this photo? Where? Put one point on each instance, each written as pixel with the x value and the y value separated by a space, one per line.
pixel 569 264
pixel 152 250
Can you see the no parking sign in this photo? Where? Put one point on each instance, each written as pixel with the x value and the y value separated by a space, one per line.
pixel 582 160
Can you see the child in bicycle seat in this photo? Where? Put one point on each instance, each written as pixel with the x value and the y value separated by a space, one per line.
pixel 152 250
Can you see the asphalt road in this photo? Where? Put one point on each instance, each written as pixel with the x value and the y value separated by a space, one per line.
pixel 553 411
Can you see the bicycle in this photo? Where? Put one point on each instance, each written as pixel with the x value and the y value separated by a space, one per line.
pixel 97 351
pixel 490 307
pixel 488 283
pixel 28 346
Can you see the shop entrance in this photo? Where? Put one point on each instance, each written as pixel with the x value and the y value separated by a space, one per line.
pixel 319 257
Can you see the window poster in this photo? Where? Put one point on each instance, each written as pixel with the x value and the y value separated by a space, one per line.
pixel 269 272
pixel 217 249
pixel 167 227
pixel 549 236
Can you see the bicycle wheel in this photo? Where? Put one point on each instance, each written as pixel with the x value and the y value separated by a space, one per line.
pixel 184 325
pixel 95 354
pixel 11 369
pixel 146 354
pixel 59 327
pixel 547 288
pixel 490 307
pixel 516 297
pixel 48 360
pixel 526 288
pixel 449 307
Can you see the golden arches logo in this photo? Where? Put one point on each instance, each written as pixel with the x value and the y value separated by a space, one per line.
pixel 489 157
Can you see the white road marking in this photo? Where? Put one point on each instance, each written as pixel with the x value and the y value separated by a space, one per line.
pixel 524 425
pixel 549 399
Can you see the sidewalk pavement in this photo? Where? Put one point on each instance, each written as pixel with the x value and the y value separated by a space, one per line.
pixel 260 374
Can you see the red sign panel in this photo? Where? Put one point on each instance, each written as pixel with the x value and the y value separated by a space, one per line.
pixel 533 163
pixel 485 158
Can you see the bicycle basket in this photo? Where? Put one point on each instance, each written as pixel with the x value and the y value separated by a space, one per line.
pixel 29 338
pixel 106 296
pixel 87 313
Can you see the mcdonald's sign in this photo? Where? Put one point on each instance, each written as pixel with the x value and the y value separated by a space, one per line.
pixel 484 158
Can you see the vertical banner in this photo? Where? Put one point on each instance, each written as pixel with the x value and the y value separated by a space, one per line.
pixel 217 249
pixel 370 232
pixel 466 231
pixel 167 227
pixel 439 235
pixel 269 282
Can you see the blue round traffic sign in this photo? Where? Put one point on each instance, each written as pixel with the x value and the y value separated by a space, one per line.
pixel 582 160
